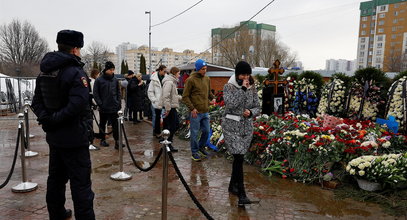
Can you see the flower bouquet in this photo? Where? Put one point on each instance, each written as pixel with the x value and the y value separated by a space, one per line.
pixel 373 172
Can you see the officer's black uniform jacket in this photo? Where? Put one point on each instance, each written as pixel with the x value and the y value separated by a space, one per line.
pixel 65 127
pixel 106 93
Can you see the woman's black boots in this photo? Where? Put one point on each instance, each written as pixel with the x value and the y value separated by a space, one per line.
pixel 236 185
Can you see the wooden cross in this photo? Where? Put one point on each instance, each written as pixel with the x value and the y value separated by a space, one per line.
pixel 275 71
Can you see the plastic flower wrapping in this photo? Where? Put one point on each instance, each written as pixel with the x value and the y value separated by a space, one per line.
pixel 396 103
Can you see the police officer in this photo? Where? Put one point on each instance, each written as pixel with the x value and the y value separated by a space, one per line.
pixel 61 103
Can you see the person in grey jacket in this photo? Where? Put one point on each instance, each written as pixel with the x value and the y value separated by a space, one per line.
pixel 169 100
pixel 106 93
pixel 241 105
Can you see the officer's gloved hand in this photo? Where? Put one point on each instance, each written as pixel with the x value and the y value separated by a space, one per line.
pixel 47 123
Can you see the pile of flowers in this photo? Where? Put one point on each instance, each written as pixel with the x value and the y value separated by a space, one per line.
pixel 388 169
pixel 333 98
pixel 307 151
pixel 395 102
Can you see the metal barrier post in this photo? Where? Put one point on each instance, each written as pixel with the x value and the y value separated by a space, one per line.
pixel 165 134
pixel 27 135
pixel 24 186
pixel 120 175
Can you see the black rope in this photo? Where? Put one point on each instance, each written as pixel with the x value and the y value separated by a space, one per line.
pixel 97 123
pixel 14 161
pixel 132 156
pixel 200 207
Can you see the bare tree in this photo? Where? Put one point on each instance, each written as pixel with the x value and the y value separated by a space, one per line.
pixel 254 49
pixel 97 53
pixel 21 48
pixel 396 61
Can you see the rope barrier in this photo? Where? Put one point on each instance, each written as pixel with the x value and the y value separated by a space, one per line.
pixel 132 156
pixel 191 194
pixel 14 161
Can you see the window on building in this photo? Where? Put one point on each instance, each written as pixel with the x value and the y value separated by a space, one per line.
pixel 379 45
pixel 379 52
pixel 393 28
pixel 395 21
pixel 364 25
pixel 362 53
pixel 393 36
pixel 383 8
pixel 381 30
pixel 362 46
pixel 372 24
pixel 381 22
pixel 396 13
pixel 380 38
pixel 362 40
pixel 378 66
pixel 378 59
pixel 372 32
pixel 382 15
pixel 373 17
pixel 370 45
pixel 396 5
pixel 369 60
pixel 361 59
pixel 364 18
pixel 363 32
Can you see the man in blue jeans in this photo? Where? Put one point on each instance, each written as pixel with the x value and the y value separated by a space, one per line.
pixel 196 96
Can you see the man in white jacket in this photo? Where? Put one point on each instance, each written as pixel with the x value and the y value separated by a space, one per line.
pixel 154 94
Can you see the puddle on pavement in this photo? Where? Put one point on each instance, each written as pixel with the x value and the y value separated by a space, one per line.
pixel 322 200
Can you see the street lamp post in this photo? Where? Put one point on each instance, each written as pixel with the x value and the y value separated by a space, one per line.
pixel 149 40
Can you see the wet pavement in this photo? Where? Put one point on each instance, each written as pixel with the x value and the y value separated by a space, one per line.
pixel 140 197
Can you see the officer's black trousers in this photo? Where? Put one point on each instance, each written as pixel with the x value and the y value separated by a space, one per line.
pixel 112 117
pixel 71 164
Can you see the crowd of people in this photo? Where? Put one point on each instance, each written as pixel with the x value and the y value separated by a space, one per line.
pixel 66 100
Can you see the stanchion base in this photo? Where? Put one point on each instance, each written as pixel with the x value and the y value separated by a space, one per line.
pixel 24 187
pixel 30 154
pixel 93 147
pixel 121 176
pixel 31 136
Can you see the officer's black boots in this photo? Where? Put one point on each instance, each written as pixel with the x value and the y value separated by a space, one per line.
pixel 68 213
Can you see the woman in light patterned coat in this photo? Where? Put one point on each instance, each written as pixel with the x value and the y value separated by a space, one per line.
pixel 242 104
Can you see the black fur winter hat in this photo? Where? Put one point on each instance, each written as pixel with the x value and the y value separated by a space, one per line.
pixel 242 67
pixel 70 38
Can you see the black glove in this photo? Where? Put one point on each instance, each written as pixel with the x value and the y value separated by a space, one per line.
pixel 47 123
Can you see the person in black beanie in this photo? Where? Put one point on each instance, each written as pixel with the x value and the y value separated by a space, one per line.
pixel 106 92
pixel 241 105
pixel 61 104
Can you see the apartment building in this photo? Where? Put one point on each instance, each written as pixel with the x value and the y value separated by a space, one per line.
pixel 341 65
pixel 382 41
pixel 255 31
pixel 166 56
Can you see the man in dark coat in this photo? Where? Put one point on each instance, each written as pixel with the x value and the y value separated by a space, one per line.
pixel 106 92
pixel 61 103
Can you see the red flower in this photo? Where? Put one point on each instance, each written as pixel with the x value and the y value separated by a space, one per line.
pixel 284 176
pixel 292 170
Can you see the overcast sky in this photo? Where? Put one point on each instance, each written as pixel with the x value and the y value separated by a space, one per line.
pixel 316 30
